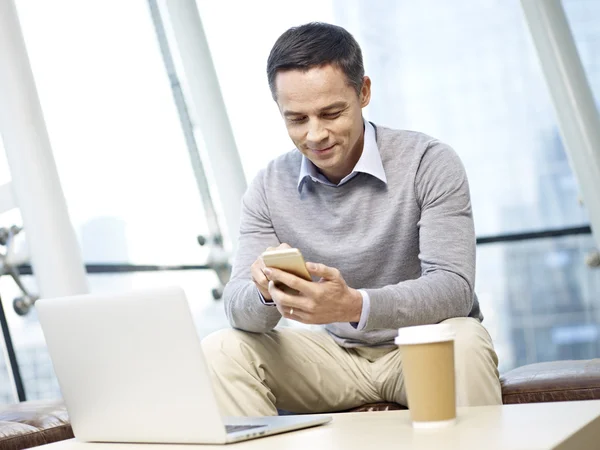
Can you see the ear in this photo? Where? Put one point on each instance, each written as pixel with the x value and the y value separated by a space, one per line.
pixel 365 92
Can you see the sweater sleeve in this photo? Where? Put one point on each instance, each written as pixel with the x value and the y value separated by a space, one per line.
pixel 243 305
pixel 445 288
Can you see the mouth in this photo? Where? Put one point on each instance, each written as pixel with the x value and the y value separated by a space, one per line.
pixel 322 151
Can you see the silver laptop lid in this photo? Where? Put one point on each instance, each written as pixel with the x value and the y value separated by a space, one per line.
pixel 131 367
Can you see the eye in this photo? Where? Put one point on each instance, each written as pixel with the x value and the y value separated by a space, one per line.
pixel 332 115
pixel 297 119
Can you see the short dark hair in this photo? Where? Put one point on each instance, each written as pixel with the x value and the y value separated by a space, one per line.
pixel 316 44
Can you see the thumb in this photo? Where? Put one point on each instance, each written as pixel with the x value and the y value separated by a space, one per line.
pixel 321 270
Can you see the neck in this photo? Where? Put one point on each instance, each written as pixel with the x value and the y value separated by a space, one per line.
pixel 351 161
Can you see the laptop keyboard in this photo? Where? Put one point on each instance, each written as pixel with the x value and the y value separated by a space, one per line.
pixel 235 428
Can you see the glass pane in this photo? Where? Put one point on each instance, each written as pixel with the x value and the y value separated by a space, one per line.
pixel 540 300
pixel 241 68
pixel 473 80
pixel 34 361
pixel 114 130
pixel 583 18
pixel 465 72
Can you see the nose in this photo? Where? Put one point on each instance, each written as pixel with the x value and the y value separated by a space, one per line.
pixel 317 133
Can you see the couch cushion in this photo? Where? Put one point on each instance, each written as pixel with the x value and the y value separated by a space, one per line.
pixel 28 424
pixel 556 381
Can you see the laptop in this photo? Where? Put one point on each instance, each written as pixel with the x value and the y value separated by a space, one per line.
pixel 131 369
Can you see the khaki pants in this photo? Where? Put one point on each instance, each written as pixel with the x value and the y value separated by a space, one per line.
pixel 305 371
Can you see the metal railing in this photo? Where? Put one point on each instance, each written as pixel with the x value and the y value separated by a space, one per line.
pixel 543 234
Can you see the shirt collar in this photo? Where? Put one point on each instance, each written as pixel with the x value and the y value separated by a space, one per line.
pixel 369 163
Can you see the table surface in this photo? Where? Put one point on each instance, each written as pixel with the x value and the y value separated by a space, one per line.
pixel 561 425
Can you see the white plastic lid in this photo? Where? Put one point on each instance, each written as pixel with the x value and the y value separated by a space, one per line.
pixel 425 334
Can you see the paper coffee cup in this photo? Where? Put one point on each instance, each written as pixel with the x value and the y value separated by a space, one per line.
pixel 427 353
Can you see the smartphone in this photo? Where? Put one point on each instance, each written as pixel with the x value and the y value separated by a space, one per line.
pixel 289 260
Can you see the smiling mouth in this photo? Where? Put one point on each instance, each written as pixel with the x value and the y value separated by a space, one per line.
pixel 321 151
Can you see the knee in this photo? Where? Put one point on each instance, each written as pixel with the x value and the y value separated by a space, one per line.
pixel 477 378
pixel 226 346
pixel 472 343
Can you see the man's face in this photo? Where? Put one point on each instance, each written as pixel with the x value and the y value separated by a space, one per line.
pixel 323 116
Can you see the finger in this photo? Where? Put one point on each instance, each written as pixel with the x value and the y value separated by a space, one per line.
pixel 296 314
pixel 259 276
pixel 290 280
pixel 323 271
pixel 293 314
pixel 286 300
pixel 263 287
pixel 290 312
pixel 279 298
pixel 261 282
pixel 278 295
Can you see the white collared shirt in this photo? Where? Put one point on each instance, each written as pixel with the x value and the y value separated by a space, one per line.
pixel 369 163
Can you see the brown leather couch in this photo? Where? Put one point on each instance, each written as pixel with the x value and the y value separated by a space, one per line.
pixel 30 424
pixel 557 381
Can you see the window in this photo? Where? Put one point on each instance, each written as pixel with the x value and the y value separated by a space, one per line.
pixel 121 158
pixel 114 130
pixel 467 73
pixel 462 71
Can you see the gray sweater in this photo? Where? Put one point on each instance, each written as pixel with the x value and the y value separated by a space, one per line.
pixel 410 244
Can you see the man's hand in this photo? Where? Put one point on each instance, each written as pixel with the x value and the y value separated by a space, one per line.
pixel 327 301
pixel 257 270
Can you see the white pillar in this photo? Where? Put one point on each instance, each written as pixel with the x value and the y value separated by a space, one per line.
pixel 572 97
pixel 209 108
pixel 7 199
pixel 55 254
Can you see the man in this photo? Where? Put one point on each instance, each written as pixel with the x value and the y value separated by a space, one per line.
pixel 385 216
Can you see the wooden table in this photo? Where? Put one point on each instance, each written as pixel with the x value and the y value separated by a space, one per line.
pixel 562 425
